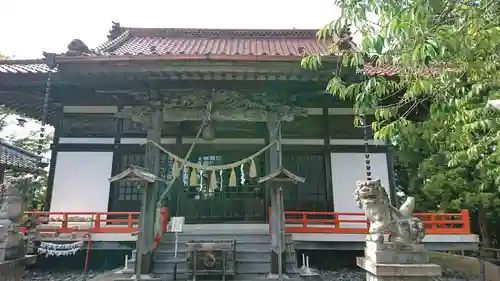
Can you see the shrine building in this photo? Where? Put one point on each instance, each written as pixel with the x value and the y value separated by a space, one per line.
pixel 97 100
pixel 247 71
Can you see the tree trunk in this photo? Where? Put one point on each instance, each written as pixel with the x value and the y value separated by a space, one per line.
pixel 484 229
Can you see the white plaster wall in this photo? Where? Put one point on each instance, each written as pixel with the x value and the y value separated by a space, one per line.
pixel 81 182
pixel 347 168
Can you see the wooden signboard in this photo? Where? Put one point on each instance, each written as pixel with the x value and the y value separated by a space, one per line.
pixel 176 224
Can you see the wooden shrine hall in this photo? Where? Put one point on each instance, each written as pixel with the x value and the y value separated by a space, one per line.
pixel 208 107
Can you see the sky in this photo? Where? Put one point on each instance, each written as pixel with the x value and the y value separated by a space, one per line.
pixel 29 27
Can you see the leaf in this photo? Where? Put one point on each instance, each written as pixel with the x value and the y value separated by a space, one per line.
pixel 446 61
pixel 311 61
pixel 378 44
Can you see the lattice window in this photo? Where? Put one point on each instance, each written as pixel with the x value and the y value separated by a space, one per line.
pixel 249 188
pixel 197 190
pixel 129 191
pixel 311 194
pixel 165 172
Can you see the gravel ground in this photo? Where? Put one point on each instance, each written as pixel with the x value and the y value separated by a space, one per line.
pixel 358 275
pixel 62 276
pixel 341 275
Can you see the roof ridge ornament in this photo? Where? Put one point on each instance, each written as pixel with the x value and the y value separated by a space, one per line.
pixel 115 31
pixel 345 38
pixel 77 48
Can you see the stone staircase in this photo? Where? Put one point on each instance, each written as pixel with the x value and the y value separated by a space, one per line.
pixel 252 252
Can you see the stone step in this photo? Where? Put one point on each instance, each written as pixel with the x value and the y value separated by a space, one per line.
pixel 264 248
pixel 223 228
pixel 252 254
pixel 245 260
pixel 241 260
pixel 242 267
pixel 248 254
pixel 151 278
pixel 239 277
pixel 240 238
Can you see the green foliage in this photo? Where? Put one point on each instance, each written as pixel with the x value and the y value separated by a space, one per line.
pixel 32 143
pixel 447 56
pixel 4 114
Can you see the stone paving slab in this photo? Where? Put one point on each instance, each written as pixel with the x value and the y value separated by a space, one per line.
pixel 406 270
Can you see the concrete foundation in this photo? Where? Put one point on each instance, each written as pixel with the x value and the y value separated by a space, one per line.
pixel 14 270
pixel 393 262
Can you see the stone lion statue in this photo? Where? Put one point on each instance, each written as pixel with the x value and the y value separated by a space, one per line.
pixel 404 228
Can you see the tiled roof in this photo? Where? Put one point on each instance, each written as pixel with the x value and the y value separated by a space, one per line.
pixel 18 158
pixel 372 70
pixel 23 66
pixel 138 41
pixel 218 43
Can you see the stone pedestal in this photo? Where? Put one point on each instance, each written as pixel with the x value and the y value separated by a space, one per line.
pixel 3 237
pixel 11 211
pixel 393 262
pixel 13 270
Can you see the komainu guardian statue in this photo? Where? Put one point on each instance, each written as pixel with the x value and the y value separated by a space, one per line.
pixel 403 227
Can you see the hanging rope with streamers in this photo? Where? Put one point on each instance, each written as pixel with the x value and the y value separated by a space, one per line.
pixel 198 169
pixel 228 166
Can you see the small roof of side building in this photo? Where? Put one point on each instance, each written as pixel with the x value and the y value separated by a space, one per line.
pixel 16 158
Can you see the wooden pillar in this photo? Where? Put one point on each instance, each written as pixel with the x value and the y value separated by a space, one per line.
pixel 2 173
pixel 53 158
pixel 150 194
pixel 328 162
pixel 276 219
pixel 392 177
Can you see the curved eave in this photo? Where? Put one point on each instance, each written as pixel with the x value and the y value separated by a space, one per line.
pixel 197 67
pixel 207 57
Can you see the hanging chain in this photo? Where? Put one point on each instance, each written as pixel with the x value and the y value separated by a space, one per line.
pixel 41 140
pixel 368 167
pixel 48 88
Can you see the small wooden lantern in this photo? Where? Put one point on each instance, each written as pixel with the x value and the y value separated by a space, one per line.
pixel 282 176
pixel 136 174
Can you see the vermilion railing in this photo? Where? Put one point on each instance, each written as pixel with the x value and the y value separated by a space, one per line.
pixel 296 222
pixel 356 223
pixel 91 222
pixel 87 222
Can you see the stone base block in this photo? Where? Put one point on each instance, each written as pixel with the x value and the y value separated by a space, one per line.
pixel 394 247
pixel 371 277
pixel 311 278
pixel 12 270
pixel 274 277
pixel 389 253
pixel 401 271
pixel 144 277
